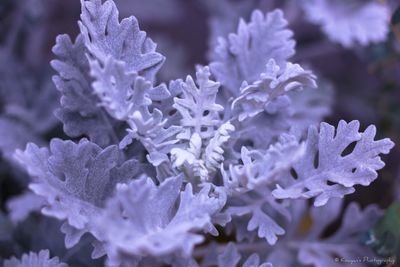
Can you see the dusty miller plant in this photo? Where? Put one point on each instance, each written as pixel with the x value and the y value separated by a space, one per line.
pixel 156 173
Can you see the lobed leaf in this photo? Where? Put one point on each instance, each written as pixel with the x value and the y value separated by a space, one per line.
pixel 41 259
pixel 148 220
pixel 79 111
pixel 326 172
pixel 75 180
pixel 105 36
pixel 243 55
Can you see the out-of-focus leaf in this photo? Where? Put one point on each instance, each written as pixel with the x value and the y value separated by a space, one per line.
pixel 41 259
pixel 396 16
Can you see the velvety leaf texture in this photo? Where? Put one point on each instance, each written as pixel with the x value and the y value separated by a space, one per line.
pixel 144 220
pixel 128 97
pixel 263 167
pixel 251 204
pixel 201 126
pixel 79 110
pixel 255 214
pixel 273 84
pixel 105 36
pixel 230 166
pixel 243 56
pixel 122 93
pixel 75 179
pixel 197 106
pixel 326 160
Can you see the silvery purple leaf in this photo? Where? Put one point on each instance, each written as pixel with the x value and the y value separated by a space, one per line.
pixel 22 205
pixel 105 36
pixel 273 84
pixel 197 105
pixel 41 259
pixel 307 241
pixel 231 257
pixel 344 243
pixel 79 109
pixel 243 55
pixel 350 22
pixel 75 180
pixel 327 170
pixel 148 220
